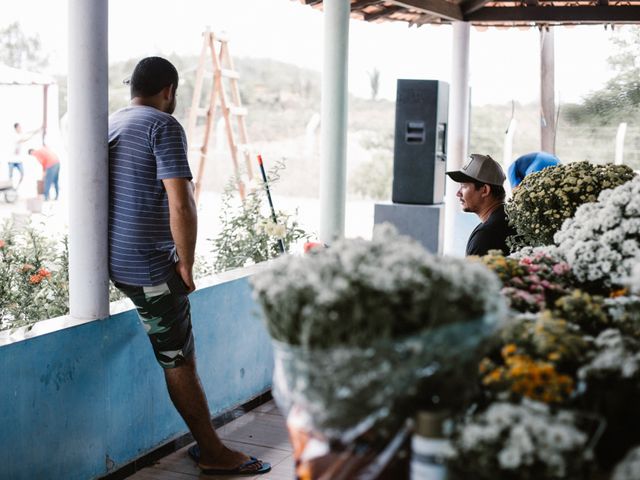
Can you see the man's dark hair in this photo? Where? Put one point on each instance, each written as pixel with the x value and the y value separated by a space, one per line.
pixel 151 75
pixel 16 125
pixel 497 191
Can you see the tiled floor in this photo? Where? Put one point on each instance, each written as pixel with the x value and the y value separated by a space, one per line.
pixel 260 433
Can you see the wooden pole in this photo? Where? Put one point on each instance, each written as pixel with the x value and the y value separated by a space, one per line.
pixel 547 86
pixel 619 156
pixel 45 111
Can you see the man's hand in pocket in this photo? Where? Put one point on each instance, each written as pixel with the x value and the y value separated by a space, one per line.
pixel 185 272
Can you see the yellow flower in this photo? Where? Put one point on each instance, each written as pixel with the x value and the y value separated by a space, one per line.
pixel 509 350
pixel 619 293
pixel 554 356
pixel 525 376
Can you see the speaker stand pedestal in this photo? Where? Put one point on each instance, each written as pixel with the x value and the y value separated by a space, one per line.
pixel 424 223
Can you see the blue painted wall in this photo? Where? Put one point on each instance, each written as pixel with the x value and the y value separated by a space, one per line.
pixel 80 402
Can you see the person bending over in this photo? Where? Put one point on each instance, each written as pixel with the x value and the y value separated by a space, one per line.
pixel 50 169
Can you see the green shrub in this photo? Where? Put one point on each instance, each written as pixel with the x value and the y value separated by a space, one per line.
pixel 545 199
pixel 34 278
pixel 248 234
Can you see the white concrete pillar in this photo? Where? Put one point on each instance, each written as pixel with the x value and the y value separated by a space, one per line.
pixel 547 91
pixel 458 140
pixel 88 159
pixel 333 143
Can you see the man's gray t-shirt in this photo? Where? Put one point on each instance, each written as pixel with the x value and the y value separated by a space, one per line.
pixel 145 147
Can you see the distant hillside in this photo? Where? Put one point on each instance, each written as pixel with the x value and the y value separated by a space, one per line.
pixel 283 122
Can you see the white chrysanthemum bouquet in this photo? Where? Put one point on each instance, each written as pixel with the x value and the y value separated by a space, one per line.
pixel 602 241
pixel 357 326
pixel 526 441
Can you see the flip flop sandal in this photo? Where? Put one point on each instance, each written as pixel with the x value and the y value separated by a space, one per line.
pixel 194 453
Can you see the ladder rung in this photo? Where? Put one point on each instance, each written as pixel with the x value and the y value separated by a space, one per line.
pixel 225 72
pixel 242 147
pixel 238 111
pixel 202 111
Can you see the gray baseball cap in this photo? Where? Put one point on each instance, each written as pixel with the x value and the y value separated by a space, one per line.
pixel 479 168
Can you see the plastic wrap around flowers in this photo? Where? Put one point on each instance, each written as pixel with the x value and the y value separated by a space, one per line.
pixel 602 241
pixel 358 325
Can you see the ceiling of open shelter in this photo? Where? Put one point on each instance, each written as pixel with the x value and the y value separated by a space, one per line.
pixel 495 13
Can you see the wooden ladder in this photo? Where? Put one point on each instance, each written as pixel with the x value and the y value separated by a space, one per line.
pixel 217 46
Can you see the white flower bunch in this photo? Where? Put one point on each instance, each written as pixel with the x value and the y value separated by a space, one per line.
pixel 629 467
pixel 526 439
pixel 624 312
pixel 617 356
pixel 269 227
pixel 551 251
pixel 634 281
pixel 602 241
pixel 358 290
pixel 360 325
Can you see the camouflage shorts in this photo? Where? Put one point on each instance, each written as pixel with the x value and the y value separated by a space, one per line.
pixel 165 313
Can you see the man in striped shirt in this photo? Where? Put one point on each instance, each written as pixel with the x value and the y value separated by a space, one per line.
pixel 152 238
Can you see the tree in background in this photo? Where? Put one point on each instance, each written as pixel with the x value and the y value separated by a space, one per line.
pixel 621 96
pixel 22 51
pixel 372 178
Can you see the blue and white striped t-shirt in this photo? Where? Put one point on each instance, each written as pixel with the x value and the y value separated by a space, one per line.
pixel 145 147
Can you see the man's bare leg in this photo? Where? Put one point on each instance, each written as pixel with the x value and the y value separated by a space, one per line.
pixel 189 398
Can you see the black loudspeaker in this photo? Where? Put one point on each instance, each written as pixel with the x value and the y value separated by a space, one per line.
pixel 419 160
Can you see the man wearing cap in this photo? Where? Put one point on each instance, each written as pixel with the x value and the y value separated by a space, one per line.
pixel 481 192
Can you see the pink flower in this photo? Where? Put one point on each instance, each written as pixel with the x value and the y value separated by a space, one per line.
pixel 539 255
pixel 561 268
pixel 43 272
pixel 534 278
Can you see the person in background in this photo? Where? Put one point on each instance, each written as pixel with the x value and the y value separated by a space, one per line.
pixel 19 137
pixel 530 163
pixel 50 169
pixel 481 192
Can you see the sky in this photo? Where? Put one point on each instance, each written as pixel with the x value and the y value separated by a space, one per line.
pixel 504 63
